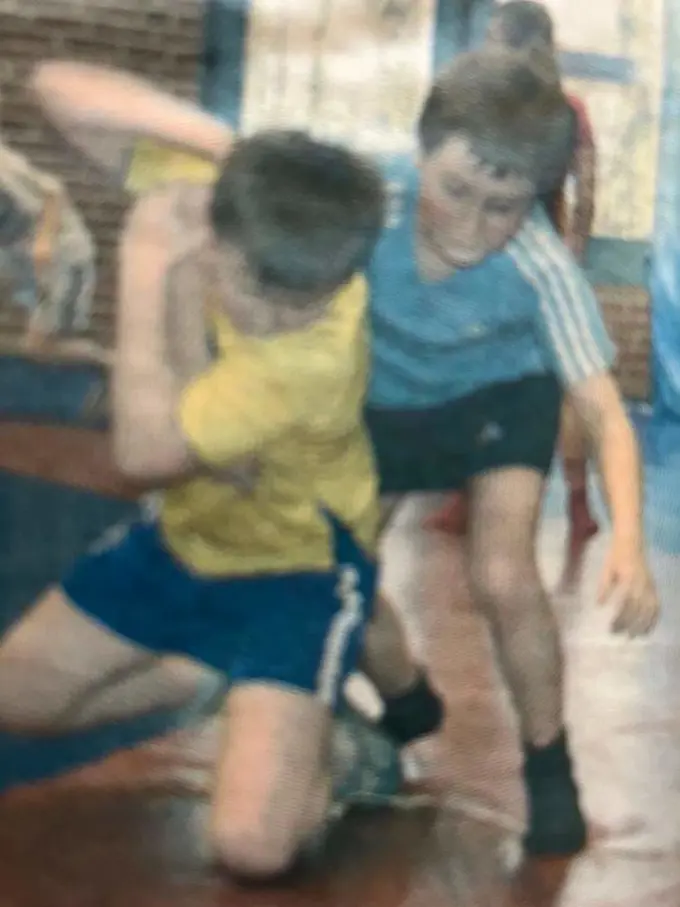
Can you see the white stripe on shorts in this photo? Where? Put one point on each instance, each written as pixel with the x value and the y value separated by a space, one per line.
pixel 346 621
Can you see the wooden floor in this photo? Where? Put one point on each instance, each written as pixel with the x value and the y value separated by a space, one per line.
pixel 127 832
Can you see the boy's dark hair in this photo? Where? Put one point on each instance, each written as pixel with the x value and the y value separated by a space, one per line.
pixel 509 105
pixel 305 214
pixel 523 24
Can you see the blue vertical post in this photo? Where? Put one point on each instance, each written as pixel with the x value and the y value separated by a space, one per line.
pixel 225 35
pixel 665 265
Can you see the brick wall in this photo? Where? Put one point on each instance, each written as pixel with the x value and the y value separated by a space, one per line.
pixel 627 313
pixel 163 40
pixel 159 40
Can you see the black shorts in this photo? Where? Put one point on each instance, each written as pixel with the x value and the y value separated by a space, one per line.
pixel 440 449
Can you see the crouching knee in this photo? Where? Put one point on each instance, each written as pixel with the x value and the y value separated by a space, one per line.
pixel 252 849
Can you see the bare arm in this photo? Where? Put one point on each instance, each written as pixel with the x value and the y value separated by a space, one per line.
pixel 103 112
pixel 185 323
pixel 582 353
pixel 613 439
pixel 162 344
pixel 186 334
pixel 148 441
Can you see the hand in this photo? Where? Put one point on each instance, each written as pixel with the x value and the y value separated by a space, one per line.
pixel 626 575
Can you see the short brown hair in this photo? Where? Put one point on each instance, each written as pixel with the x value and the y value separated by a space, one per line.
pixel 305 214
pixel 511 108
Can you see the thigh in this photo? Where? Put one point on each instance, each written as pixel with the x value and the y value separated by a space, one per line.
pixel 506 508
pixel 505 512
pixel 55 655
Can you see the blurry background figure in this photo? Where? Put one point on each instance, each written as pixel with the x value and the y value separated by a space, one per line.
pixel 466 21
pixel 47 256
pixel 526 25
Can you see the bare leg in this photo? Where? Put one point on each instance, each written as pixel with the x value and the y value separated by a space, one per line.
pixel 411 707
pixel 575 454
pixel 273 786
pixel 508 588
pixel 387 659
pixel 582 526
pixel 61 671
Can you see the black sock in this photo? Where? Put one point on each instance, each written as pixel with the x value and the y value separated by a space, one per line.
pixel 416 713
pixel 548 760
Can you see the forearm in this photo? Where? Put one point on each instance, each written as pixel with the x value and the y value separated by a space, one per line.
pixel 618 455
pixel 145 398
pixel 186 332
pixel 79 95
pixel 147 439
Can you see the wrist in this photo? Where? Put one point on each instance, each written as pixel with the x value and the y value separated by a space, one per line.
pixel 628 543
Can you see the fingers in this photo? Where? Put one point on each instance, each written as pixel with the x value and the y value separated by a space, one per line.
pixel 639 609
pixel 637 602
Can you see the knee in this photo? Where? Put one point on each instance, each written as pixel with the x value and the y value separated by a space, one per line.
pixel 250 848
pixel 505 584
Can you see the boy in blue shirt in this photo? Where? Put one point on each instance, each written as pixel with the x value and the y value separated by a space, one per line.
pixel 480 320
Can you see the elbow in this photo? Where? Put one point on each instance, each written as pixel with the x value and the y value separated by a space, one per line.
pixel 146 458
pixel 136 463
pixel 143 468
pixel 45 79
pixel 610 429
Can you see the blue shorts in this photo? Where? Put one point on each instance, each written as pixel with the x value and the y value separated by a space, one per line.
pixel 303 630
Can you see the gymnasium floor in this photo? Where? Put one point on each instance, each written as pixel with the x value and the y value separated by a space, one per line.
pixel 126 831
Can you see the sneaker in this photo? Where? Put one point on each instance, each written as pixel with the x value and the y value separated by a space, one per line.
pixel 365 764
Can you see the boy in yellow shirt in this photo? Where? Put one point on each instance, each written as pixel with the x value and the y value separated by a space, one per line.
pixel 238 389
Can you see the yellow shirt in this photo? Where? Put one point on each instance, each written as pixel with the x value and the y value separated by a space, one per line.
pixel 294 401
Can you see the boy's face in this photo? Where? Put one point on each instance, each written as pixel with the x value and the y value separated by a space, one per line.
pixel 468 211
pixel 238 296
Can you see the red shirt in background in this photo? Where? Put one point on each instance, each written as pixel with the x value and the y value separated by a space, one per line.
pixel 555 201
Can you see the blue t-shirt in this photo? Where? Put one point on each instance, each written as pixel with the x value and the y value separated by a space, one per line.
pixel 527 310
